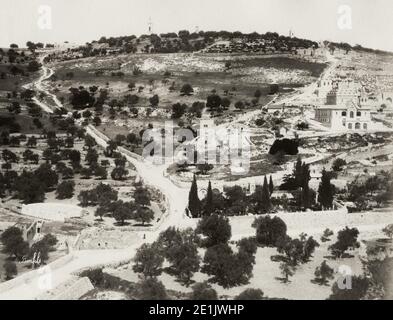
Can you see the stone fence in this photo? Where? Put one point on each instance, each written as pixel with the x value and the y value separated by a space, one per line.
pixel 11 208
pixel 97 133
pixel 113 265
pixel 133 155
pixel 76 290
pixel 338 208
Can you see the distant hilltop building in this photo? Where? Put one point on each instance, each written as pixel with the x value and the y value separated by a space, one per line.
pixel 311 52
pixel 344 105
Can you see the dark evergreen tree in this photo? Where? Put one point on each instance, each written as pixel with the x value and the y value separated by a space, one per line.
pixel 262 198
pixel 306 197
pixel 194 204
pixel 306 193
pixel 325 191
pixel 298 172
pixel 305 175
pixel 271 186
pixel 209 205
pixel 266 202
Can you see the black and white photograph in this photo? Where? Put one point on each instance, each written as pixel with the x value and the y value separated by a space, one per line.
pixel 196 150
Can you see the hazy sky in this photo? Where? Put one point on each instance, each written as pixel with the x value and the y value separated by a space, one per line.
pixel 79 21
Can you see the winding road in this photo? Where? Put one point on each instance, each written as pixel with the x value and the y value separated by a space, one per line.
pixel 176 198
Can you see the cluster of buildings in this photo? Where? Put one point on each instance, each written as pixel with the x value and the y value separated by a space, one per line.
pixel 243 45
pixel 344 105
pixel 221 145
pixel 260 45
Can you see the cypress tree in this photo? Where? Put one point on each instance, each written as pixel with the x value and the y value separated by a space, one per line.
pixel 258 198
pixel 325 191
pixel 298 172
pixel 265 204
pixel 305 194
pixel 271 186
pixel 305 173
pixel 305 197
pixel 209 206
pixel 194 204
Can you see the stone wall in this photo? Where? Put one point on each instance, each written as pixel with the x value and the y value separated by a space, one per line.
pixel 97 132
pixel 133 155
pixel 76 291
pixel 105 238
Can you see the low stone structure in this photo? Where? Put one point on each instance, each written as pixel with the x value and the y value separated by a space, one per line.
pixel 100 238
pixel 76 290
pixel 30 232
pixel 52 211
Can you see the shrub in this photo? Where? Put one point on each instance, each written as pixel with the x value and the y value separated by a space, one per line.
pixel 346 239
pixel 148 261
pixel 287 146
pixel 215 228
pixel 13 242
pixel 186 90
pixel 326 235
pixel 250 294
pixel 274 88
pixel 10 269
pixel 96 276
pixel 323 273
pixel 269 230
pixel 388 231
pixel 203 291
pixel 227 268
pixel 338 164
pixel 151 289
pixel 65 190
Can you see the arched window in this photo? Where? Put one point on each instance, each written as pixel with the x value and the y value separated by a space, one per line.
pixel 344 113
pixel 349 125
pixel 351 114
pixel 357 125
pixel 358 113
pixel 365 126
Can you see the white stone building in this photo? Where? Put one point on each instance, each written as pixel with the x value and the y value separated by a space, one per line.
pixel 344 107
pixel 220 145
pixel 344 117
